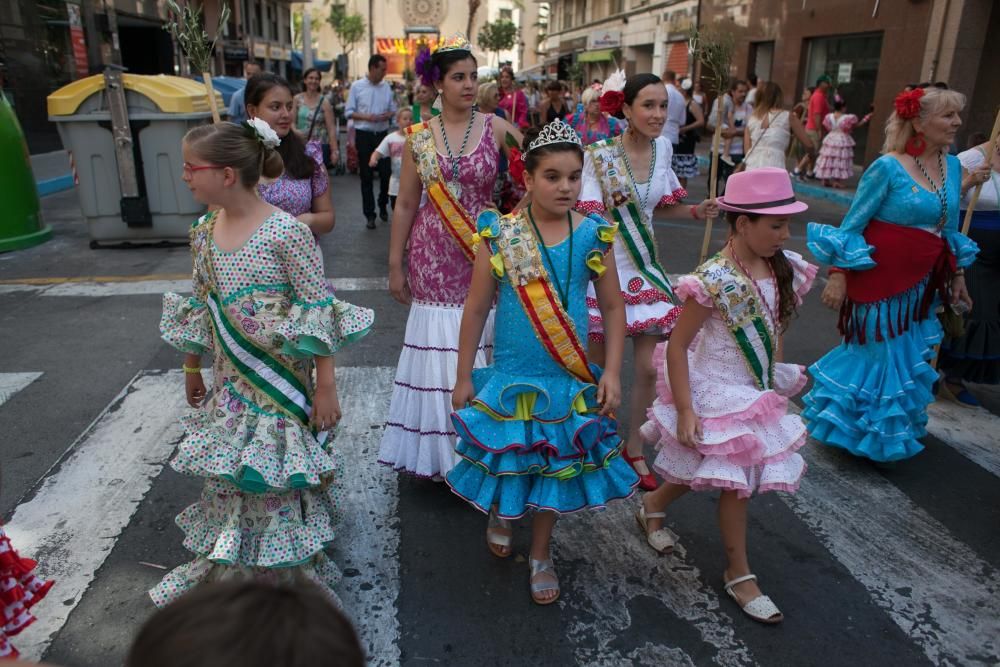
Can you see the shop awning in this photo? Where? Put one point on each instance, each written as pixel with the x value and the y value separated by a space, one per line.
pixel 321 65
pixel 598 56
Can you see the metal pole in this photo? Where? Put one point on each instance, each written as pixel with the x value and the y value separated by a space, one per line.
pixel 307 52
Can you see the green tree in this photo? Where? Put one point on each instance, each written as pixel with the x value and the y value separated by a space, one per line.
pixel 315 23
pixel 497 36
pixel 349 28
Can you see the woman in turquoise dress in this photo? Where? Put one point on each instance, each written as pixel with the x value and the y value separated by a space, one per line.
pixel 895 258
pixel 538 432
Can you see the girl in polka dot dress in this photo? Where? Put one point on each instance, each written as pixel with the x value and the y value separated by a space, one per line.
pixel 261 307
pixel 721 420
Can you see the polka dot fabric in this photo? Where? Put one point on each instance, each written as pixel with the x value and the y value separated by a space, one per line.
pixel 268 505
pixel 749 440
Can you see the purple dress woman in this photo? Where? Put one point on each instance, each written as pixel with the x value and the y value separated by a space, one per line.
pixel 419 437
pixel 295 195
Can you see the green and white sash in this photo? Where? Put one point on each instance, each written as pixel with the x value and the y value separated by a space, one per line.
pixel 255 364
pixel 620 200
pixel 736 299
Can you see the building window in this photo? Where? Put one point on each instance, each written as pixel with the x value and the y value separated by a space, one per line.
pixel 258 22
pixel 507 14
pixel 761 60
pixel 286 24
pixel 567 21
pixel 581 12
pixel 616 7
pixel 272 17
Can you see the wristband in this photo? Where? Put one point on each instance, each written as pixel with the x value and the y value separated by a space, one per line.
pixel 836 269
pixel 694 213
pixel 189 370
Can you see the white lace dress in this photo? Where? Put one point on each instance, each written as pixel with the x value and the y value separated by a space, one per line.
pixel 768 145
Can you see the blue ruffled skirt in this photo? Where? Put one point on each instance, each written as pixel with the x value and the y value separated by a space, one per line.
pixel 563 457
pixel 871 399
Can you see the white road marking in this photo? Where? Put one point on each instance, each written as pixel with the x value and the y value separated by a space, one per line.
pixel 367 543
pixel 11 383
pixel 610 539
pixel 97 289
pixel 972 431
pixel 934 587
pixel 87 499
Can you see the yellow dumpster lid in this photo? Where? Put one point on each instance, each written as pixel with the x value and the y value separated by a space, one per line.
pixel 172 94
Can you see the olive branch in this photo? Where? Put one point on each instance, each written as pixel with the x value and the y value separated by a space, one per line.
pixel 188 30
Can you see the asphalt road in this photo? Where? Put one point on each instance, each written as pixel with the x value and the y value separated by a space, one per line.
pixel 896 567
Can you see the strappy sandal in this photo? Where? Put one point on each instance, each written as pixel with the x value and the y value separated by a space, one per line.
pixel 543 567
pixel 647 482
pixel 661 539
pixel 760 609
pixel 496 539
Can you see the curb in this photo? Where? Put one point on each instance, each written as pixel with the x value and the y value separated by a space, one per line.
pixel 805 189
pixel 51 186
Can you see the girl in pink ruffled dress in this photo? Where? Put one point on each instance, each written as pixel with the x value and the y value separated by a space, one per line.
pixel 20 589
pixel 835 163
pixel 720 420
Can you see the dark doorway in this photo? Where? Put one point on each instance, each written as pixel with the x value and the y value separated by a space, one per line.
pixel 146 47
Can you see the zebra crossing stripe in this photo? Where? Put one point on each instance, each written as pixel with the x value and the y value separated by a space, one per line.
pixel 934 587
pixel 972 431
pixel 73 520
pixel 111 287
pixel 11 383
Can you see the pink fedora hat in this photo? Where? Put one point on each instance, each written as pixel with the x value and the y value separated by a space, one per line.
pixel 764 191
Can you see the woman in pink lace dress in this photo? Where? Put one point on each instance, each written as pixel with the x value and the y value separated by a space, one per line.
pixel 419 438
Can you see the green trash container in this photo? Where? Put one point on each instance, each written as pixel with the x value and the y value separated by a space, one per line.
pixel 161 109
pixel 21 223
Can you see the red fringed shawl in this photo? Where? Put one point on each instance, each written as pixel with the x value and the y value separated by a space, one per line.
pixel 910 266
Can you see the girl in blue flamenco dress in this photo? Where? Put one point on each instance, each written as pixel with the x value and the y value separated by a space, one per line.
pixel 536 429
pixel 895 258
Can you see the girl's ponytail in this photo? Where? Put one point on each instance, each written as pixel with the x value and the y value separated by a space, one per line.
pixel 784 275
pixel 272 166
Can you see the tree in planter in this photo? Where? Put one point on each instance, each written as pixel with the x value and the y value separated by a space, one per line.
pixel 349 28
pixel 497 36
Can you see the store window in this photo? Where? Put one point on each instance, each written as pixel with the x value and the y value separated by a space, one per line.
pixel 852 62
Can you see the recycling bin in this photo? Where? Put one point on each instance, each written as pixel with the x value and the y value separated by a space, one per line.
pixel 160 111
pixel 21 224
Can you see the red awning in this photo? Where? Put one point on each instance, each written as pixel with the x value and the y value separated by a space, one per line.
pixel 677 59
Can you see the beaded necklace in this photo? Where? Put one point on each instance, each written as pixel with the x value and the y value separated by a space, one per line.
pixel 649 178
pixel 939 190
pixel 454 185
pixel 774 312
pixel 563 293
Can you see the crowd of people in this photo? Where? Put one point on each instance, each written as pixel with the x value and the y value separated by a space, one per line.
pixel 509 378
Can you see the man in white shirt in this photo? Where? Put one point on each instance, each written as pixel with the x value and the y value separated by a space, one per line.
pixel 676 113
pixel 752 93
pixel 371 104
pixel 237 104
pixel 733 104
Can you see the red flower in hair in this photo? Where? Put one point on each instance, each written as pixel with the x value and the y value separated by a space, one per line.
pixel 908 104
pixel 612 101
pixel 516 167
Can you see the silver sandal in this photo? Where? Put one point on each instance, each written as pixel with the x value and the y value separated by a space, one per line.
pixel 495 539
pixel 543 567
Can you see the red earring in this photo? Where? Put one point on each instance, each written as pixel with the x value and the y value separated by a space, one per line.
pixel 916 145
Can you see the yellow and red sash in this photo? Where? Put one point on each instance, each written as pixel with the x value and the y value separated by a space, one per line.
pixel 457 220
pixel 522 261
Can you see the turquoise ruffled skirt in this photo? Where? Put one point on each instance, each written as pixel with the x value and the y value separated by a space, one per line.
pixel 871 399
pixel 537 442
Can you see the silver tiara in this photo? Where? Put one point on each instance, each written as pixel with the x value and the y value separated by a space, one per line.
pixel 556 132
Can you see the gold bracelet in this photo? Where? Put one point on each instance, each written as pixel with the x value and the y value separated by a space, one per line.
pixel 190 370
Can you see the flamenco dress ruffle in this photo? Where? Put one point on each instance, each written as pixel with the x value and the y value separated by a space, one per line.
pixel 749 440
pixel 20 590
pixel 269 504
pixel 870 396
pixel 527 445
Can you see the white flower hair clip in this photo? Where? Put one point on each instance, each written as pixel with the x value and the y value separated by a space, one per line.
pixel 264 133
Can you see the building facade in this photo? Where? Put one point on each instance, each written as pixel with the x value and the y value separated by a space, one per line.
pixel 871 49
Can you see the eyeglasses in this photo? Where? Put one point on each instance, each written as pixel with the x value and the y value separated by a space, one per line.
pixel 189 169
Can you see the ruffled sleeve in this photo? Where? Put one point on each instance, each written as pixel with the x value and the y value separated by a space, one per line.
pixel 845 246
pixel 320 179
pixel 828 122
pixel 848 122
pixel 317 324
pixel 488 230
pixel 964 248
pixel 185 324
pixel 803 275
pixel 604 237
pixel 591 199
pixel 690 287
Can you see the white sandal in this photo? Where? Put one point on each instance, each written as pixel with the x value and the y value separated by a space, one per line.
pixel 496 539
pixel 543 567
pixel 761 608
pixel 661 539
